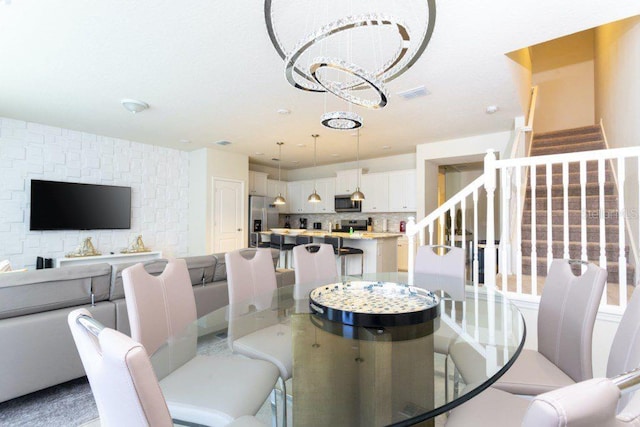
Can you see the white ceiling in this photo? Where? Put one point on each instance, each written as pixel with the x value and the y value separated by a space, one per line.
pixel 210 73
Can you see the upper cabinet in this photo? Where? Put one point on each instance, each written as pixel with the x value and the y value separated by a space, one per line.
pixel 275 187
pixel 257 183
pixel 347 181
pixel 299 192
pixel 375 187
pixel 402 191
pixel 327 191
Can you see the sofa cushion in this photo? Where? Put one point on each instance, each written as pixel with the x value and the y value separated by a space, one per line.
pixel 201 269
pixel 221 266
pixel 154 267
pixel 52 288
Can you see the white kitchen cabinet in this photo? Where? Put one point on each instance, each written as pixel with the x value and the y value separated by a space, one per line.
pixel 275 187
pixel 347 181
pixel 375 187
pixel 257 183
pixel 298 192
pixel 326 188
pixel 294 198
pixel 402 191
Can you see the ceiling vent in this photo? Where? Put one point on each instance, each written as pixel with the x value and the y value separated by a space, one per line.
pixel 223 143
pixel 416 92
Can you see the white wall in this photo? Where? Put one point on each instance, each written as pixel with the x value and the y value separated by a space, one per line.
pixel 563 70
pixel 157 176
pixel 617 59
pixel 451 151
pixel 381 164
pixel 617 52
pixel 208 163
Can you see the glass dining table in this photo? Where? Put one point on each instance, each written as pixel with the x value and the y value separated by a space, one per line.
pixel 374 374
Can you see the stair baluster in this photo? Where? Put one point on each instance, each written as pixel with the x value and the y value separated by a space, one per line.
pixel 622 260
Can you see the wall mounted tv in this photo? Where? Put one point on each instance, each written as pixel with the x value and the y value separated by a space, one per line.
pixel 73 206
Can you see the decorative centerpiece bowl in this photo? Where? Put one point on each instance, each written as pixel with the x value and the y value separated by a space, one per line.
pixel 374 304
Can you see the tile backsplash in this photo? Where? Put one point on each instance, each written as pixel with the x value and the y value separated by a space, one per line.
pixel 393 219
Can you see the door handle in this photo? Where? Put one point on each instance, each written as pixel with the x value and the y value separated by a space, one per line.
pixel 239 229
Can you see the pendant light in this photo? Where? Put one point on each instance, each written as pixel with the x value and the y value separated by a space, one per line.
pixel 314 197
pixel 358 195
pixel 279 200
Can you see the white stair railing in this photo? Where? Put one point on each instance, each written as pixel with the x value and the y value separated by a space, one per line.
pixel 587 223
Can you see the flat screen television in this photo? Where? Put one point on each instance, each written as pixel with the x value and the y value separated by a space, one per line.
pixel 74 206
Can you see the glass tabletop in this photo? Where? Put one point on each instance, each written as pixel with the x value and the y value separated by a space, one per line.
pixel 345 374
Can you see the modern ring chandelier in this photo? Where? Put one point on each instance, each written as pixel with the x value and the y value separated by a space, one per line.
pixel 349 49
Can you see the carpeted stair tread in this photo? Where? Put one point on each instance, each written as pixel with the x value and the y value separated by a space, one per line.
pixel 613 270
pixel 612 249
pixel 565 132
pixel 567 145
pixel 574 202
pixel 587 138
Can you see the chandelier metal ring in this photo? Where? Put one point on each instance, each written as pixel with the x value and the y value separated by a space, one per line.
pixel 400 68
pixel 347 23
pixel 341 120
pixel 353 70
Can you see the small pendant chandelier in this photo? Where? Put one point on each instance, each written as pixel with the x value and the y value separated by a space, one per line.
pixel 314 197
pixel 358 195
pixel 279 200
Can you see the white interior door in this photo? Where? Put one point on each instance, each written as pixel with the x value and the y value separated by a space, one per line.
pixel 228 215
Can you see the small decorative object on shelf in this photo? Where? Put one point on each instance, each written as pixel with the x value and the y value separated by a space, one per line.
pixel 85 249
pixel 136 246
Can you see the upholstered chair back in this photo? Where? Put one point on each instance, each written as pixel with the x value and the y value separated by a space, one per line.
pixel 568 308
pixel 122 379
pixel 588 403
pixel 443 267
pixel 250 278
pixel 312 267
pixel 161 307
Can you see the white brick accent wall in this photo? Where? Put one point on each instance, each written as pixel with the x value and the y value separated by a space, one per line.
pixel 158 177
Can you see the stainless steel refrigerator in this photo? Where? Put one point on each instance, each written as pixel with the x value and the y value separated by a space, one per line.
pixel 263 215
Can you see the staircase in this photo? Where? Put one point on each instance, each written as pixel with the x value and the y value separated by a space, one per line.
pixel 567 141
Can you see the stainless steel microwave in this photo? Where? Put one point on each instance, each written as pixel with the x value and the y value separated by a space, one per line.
pixel 343 203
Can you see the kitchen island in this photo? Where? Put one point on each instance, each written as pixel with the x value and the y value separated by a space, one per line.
pixel 380 249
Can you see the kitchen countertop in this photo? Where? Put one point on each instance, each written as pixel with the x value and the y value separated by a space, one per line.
pixel 359 235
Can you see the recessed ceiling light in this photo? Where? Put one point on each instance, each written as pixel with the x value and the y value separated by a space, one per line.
pixel 185 141
pixel 386 147
pixel 335 155
pixel 301 145
pixel 222 143
pixel 284 111
pixel 134 106
pixel 492 109
pixel 259 153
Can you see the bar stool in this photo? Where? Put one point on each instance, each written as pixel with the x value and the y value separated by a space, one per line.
pixel 342 251
pixel 306 240
pixel 277 242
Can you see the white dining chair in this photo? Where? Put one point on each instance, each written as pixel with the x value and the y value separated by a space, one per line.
pixel 312 267
pixel 442 268
pixel 121 377
pixel 252 285
pixel 251 281
pixel 566 315
pixel 495 407
pixel 198 389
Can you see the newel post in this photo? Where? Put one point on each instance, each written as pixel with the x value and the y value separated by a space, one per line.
pixel 490 248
